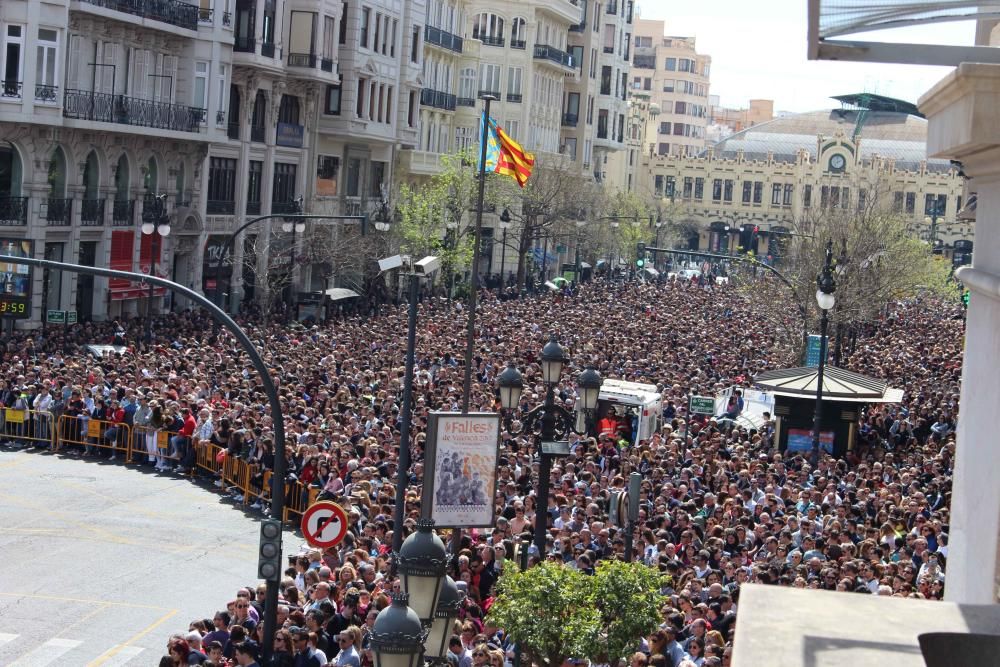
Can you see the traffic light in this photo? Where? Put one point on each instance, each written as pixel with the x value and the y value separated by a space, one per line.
pixel 640 255
pixel 269 554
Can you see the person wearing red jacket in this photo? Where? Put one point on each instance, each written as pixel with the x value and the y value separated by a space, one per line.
pixel 115 413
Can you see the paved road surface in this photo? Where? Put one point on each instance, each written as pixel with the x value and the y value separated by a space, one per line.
pixel 100 563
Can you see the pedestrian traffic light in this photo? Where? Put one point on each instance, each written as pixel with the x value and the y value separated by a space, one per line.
pixel 269 555
pixel 640 255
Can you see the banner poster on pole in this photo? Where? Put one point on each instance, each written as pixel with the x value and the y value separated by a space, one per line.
pixel 460 474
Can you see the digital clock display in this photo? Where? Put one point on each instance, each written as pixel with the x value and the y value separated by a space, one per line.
pixel 14 307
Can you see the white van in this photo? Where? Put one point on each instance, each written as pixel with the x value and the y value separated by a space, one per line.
pixel 628 398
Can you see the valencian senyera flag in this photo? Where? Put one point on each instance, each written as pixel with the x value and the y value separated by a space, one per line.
pixel 504 155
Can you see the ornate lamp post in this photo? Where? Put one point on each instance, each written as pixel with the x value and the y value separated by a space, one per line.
pixel 825 287
pixel 155 224
pixel 549 420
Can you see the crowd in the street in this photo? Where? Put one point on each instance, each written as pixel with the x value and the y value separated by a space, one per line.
pixel 720 505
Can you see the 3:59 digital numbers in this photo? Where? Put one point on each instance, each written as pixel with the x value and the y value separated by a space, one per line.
pixel 12 308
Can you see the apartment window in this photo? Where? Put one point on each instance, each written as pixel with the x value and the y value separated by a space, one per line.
pixel 670 65
pixel 727 192
pixel 46 59
pixel 776 194
pixel 518 32
pixel 807 195
pixel 415 46
pixel 911 203
pixel 333 100
pixel 680 108
pixel 378 32
pixel 668 85
pixel 199 97
pixel 514 84
pixel 489 78
pixel 699 188
pixel 688 187
pixel 747 191
pixel 366 17
pixel 834 197
pixel 488 28
pixel 467 83
pixel 786 199
pixel 12 61
pixel 663 149
pixel 392 38
pixel 824 197
pixel 845 198
pixel 362 91
pixel 254 177
pixel 679 129
pixel 665 127
pixel 220 104
pixel 593 64
pixel 671 189
pixel 576 52
pixel 411 112
pixel 590 110
pixel 288 110
pixel 342 37
pixel 862 199
pixel 284 182
pixel 897 202
pixel 512 128
pixel 758 192
pixel 222 180
pixel 329 37
pixel 717 189
pixel 377 181
pixel 606 80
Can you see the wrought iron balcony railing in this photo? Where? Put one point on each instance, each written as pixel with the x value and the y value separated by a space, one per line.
pixel 92 212
pixel 108 108
pixel 551 53
pixel 123 213
pixel 302 60
pixel 442 38
pixel 45 93
pixel 10 88
pixel 13 211
pixel 438 99
pixel 518 44
pixel 205 15
pixel 58 212
pixel 491 41
pixel 174 12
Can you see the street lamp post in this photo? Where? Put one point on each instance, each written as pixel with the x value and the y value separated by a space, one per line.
pixel 935 211
pixel 550 420
pixel 825 299
pixel 155 224
pixel 405 636
pixel 504 225
pixel 295 226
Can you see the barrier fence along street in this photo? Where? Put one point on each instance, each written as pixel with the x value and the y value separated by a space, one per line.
pixel 132 443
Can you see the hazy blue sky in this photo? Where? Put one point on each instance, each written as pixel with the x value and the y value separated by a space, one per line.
pixel 758 50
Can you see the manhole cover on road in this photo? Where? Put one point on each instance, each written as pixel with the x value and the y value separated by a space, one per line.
pixel 75 478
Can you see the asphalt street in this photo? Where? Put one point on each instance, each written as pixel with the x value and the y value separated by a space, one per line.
pixel 100 563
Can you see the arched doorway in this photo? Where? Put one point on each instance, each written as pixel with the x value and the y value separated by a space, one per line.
pixel 57 209
pixel 13 207
pixel 718 240
pixel 123 202
pixel 151 177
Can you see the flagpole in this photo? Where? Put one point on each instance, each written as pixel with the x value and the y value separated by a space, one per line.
pixel 470 333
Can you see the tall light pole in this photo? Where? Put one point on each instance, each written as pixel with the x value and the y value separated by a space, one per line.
pixel 549 420
pixel 825 287
pixel 294 226
pixel 935 211
pixel 504 225
pixel 155 224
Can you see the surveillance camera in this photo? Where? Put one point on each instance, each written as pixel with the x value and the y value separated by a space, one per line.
pixel 426 266
pixel 390 263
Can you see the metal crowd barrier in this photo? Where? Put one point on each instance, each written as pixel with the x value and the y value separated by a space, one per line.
pixel 134 443
pixel 27 426
pixel 91 433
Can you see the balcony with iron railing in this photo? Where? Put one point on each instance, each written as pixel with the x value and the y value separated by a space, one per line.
pixel 570 119
pixel 46 93
pixel 466 102
pixel 109 108
pixel 442 38
pixel 206 16
pixel 220 207
pixel 13 211
pixel 518 44
pixel 58 212
pixel 172 12
pixel 488 40
pixel 244 44
pixel 10 89
pixel 552 54
pixel 92 212
pixel 123 213
pixel 302 60
pixel 515 98
pixel 438 99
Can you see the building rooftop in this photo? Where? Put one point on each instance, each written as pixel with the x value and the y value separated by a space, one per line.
pixel 887 134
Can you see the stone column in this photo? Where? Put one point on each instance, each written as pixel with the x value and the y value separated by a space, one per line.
pixel 963 112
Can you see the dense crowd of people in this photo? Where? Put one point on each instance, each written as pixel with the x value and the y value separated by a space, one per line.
pixel 721 505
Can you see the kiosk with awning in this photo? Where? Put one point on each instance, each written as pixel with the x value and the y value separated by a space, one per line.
pixel 844 395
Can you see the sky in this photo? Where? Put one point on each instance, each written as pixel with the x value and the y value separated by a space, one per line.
pixel 758 50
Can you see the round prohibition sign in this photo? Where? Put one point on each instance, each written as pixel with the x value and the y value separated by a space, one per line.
pixel 324 524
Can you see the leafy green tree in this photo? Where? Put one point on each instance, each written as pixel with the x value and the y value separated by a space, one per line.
pixel 555 612
pixel 628 598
